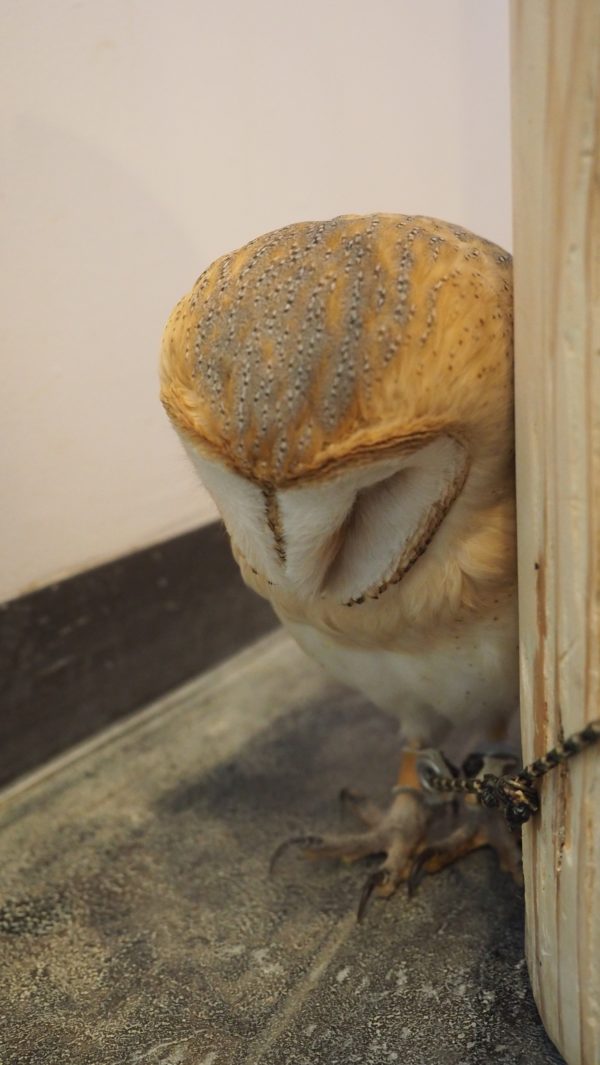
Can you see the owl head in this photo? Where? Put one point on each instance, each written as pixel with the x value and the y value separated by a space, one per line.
pixel 344 389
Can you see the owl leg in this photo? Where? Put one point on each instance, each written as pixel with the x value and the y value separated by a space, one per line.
pixel 365 809
pixel 408 776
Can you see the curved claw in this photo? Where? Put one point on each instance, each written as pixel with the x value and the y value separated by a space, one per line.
pixel 347 795
pixel 417 870
pixel 376 879
pixel 293 841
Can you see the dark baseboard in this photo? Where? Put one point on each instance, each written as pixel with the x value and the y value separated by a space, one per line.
pixel 78 655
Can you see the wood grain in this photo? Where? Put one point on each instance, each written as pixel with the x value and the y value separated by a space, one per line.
pixel 556 118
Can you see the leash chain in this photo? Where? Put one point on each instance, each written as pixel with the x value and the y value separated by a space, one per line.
pixel 517 795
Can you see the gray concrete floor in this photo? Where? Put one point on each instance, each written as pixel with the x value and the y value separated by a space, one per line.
pixel 138 925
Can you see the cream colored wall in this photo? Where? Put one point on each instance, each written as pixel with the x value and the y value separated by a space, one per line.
pixel 143 139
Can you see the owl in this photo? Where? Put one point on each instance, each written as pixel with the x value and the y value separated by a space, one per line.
pixel 344 389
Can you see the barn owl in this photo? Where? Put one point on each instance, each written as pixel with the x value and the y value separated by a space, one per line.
pixel 344 390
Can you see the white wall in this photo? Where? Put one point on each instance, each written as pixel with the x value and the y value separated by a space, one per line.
pixel 142 139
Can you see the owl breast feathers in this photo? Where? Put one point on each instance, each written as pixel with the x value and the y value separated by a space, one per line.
pixel 344 389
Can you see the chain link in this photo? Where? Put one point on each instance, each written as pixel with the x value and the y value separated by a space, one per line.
pixel 517 796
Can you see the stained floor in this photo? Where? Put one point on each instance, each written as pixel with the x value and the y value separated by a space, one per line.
pixel 139 926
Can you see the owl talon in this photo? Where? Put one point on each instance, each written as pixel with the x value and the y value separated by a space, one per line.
pixel 346 848
pixel 350 799
pixel 417 871
pixel 307 842
pixel 417 838
pixel 373 881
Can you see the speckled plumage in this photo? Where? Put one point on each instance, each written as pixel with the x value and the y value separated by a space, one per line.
pixel 323 338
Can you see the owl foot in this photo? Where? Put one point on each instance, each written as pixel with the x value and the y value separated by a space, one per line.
pixel 418 835
pixel 398 832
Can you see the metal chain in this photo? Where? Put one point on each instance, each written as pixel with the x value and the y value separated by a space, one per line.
pixel 516 795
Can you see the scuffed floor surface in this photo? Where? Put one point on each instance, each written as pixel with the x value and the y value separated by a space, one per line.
pixel 138 925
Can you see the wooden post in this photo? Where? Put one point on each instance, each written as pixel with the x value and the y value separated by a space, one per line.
pixel 556 161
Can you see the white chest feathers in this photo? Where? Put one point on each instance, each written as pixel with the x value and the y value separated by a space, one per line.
pixel 469 681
